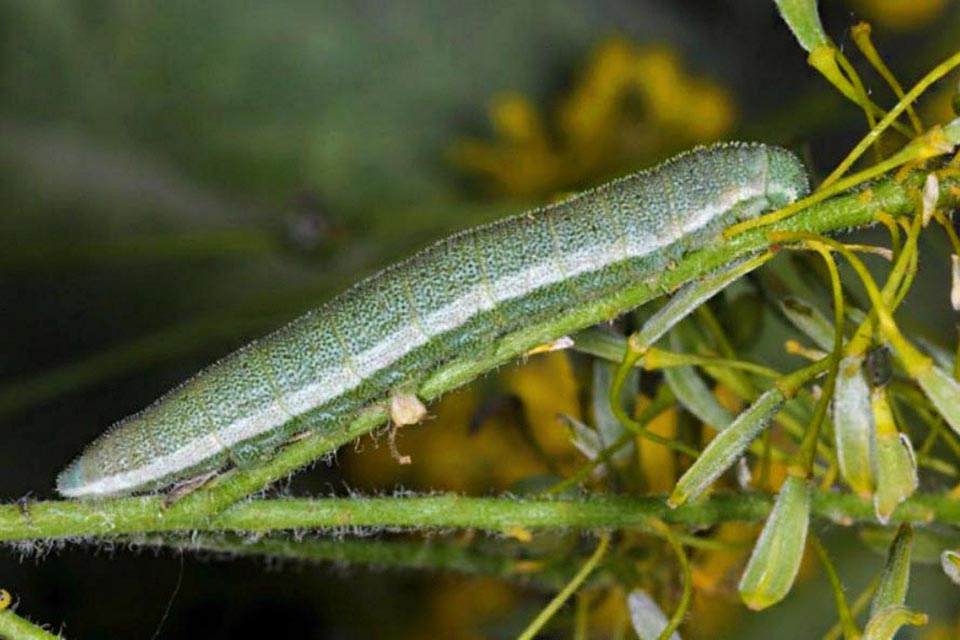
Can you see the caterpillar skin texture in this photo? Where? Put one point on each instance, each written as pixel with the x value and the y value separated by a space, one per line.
pixel 451 300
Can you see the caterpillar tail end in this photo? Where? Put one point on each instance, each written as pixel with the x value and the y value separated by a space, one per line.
pixel 71 481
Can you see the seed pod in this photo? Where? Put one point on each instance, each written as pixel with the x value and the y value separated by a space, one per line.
pixel 896 463
pixel 885 624
pixel 648 619
pixel 724 450
pixel 895 580
pixel 854 428
pixel 950 561
pixel 775 560
pixel 944 392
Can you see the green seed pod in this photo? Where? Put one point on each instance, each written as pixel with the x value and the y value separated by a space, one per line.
pixel 950 561
pixel 854 428
pixel 724 450
pixel 885 624
pixel 944 392
pixel 776 557
pixel 896 572
pixel 809 321
pixel 647 618
pixel 804 21
pixel 896 463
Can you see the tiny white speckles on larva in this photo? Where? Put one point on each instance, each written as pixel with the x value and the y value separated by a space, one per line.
pixel 447 303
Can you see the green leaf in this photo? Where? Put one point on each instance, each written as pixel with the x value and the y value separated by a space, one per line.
pixel 724 450
pixel 776 558
pixel 809 321
pixel 804 21
pixel 647 617
pixel 693 393
pixel 944 392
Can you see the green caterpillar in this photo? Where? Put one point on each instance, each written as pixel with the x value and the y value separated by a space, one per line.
pixel 454 299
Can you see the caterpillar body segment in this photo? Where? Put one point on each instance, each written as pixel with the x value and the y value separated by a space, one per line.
pixel 449 302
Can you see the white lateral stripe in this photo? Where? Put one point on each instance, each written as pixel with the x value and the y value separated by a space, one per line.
pixel 392 348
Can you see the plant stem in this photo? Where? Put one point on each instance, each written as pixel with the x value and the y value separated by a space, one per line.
pixel 77 519
pixel 16 628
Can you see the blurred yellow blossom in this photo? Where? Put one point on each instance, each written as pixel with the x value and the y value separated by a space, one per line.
pixel 657 462
pixel 715 572
pixel 629 107
pixel 461 607
pixel 937 107
pixel 900 15
pixel 447 454
pixel 939 631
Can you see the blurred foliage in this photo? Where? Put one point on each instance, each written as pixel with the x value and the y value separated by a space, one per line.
pixel 178 177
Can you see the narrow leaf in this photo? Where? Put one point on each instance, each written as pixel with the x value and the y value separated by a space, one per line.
pixel 809 321
pixel 944 392
pixel 691 296
pixel 586 440
pixel 804 21
pixel 694 394
pixel 648 619
pixel 724 450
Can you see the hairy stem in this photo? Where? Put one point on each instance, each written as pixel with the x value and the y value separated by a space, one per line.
pixel 55 519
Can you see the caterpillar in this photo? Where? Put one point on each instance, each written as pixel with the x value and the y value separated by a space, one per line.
pixel 454 299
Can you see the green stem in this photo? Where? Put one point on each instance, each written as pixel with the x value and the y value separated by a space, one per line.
pixel 847 624
pixel 126 516
pixel 429 555
pixel 16 628
pixel 548 612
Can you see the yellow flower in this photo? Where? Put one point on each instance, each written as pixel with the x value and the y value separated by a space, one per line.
pixel 900 15
pixel 460 607
pixel 657 462
pixel 448 454
pixel 629 106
